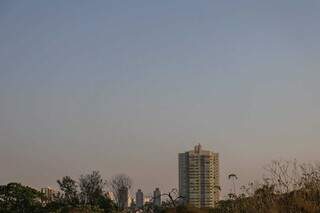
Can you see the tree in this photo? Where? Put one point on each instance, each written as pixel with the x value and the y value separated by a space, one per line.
pixel 15 197
pixel 69 188
pixel 174 197
pixel 117 183
pixel 283 174
pixel 106 204
pixel 91 187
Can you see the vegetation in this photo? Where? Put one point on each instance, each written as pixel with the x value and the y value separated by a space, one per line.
pixel 15 197
pixel 287 187
pixel 69 188
pixel 86 195
pixel 117 183
pixel 91 186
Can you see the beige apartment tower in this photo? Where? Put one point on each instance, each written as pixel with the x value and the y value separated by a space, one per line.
pixel 199 177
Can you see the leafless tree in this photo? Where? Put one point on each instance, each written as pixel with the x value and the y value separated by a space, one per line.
pixel 117 183
pixel 173 196
pixel 284 175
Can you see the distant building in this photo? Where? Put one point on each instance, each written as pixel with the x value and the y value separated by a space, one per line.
pixel 110 195
pixel 157 197
pixel 131 202
pixel 123 198
pixel 199 177
pixel 139 199
pixel 147 199
pixel 49 194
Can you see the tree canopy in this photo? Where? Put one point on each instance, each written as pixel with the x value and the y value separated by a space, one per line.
pixel 15 197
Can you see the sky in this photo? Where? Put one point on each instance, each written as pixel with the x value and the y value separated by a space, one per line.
pixel 124 86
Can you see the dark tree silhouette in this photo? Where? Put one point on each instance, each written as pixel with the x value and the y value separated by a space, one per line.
pixel 69 188
pixel 15 197
pixel 91 187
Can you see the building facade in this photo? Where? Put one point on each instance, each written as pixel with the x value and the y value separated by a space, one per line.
pixel 157 197
pixel 123 198
pixel 139 199
pixel 49 194
pixel 199 177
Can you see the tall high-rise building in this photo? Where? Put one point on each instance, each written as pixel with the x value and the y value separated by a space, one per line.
pixel 199 177
pixel 157 197
pixel 123 198
pixel 139 199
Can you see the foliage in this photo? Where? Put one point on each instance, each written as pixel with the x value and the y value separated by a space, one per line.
pixel 69 188
pixel 91 186
pixel 15 197
pixel 287 187
pixel 106 204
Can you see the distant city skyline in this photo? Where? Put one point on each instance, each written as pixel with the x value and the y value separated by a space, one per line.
pixel 123 86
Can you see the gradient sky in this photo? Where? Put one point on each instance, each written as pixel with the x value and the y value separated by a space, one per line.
pixel 123 86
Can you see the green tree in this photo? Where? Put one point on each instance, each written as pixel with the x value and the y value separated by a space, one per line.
pixel 15 197
pixel 106 204
pixel 69 188
pixel 91 187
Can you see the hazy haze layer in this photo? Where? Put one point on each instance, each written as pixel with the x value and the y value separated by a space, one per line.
pixel 123 86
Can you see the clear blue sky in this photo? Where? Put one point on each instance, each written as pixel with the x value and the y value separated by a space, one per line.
pixel 123 86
